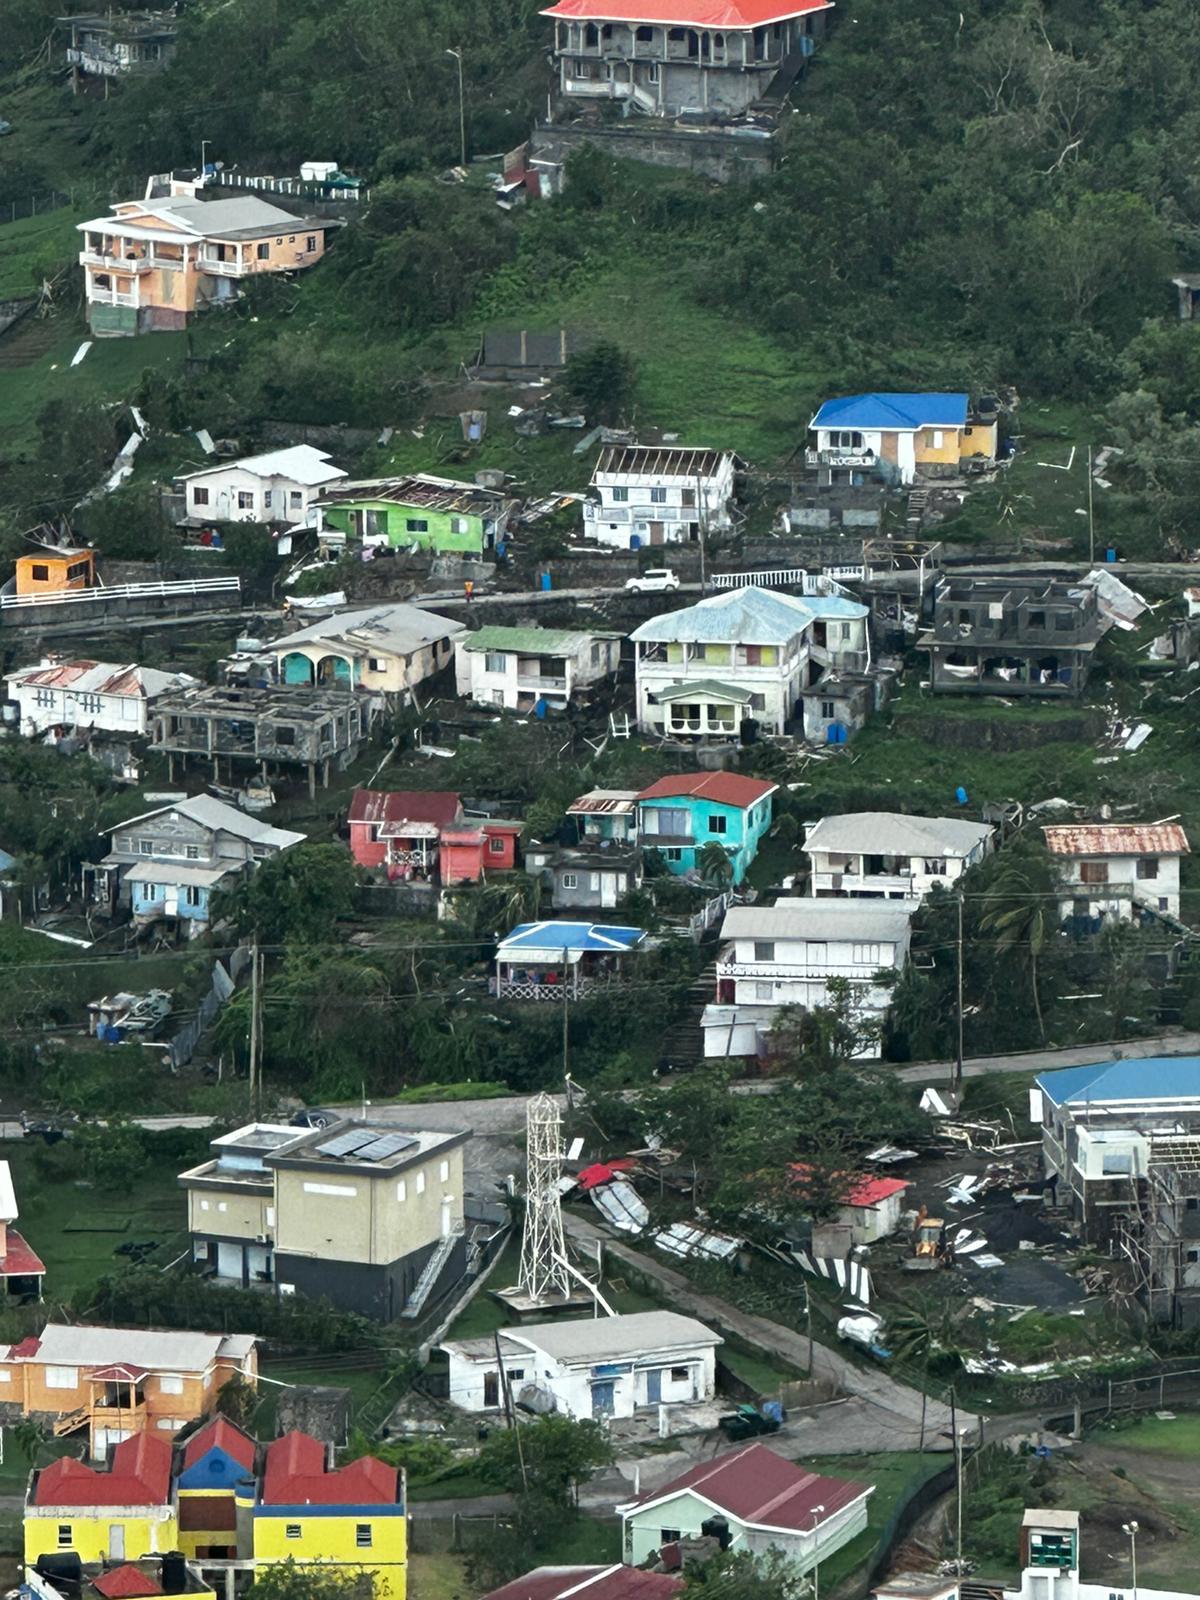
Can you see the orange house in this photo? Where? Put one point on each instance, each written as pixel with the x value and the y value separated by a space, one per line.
pixel 115 1382
pixel 53 571
pixel 468 854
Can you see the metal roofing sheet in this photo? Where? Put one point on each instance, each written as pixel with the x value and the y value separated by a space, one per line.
pixel 533 641
pixel 722 788
pixel 601 1338
pixel 725 14
pixel 903 412
pixel 604 802
pixel 893 833
pixel 759 1487
pixel 1117 839
pixel 749 615
pixel 885 921
pixel 659 461
pixel 300 463
pixel 552 938
pixel 1145 1078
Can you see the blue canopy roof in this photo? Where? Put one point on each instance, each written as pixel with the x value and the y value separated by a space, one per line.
pixel 574 937
pixel 894 411
pixel 1139 1079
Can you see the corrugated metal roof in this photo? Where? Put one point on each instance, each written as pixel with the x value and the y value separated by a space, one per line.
pixel 604 802
pixel 394 629
pixel 703 686
pixel 155 1349
pixel 533 641
pixel 298 462
pixel 725 14
pixel 552 938
pixel 1144 1078
pixel 100 677
pixel 597 1339
pixel 419 489
pixel 1117 839
pixel 617 1582
pixel 438 806
pixel 723 788
pixel 882 921
pixel 887 411
pixel 212 813
pixel 659 461
pixel 893 833
pixel 746 616
pixel 756 1486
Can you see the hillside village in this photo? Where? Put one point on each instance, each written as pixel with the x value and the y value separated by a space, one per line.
pixel 598 699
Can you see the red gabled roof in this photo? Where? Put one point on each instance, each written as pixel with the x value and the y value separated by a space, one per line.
pixel 724 788
pixel 295 1475
pixel 126 1583
pixel 140 1475
pixel 757 1486
pixel 405 805
pixel 589 1583
pixel 118 1372
pixel 220 1434
pixel 866 1190
pixel 21 1262
pixel 687 13
pixel 26 1349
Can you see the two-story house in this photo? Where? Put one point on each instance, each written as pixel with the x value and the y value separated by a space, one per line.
pixel 786 954
pixel 388 648
pixel 152 264
pixel 400 829
pixel 886 855
pixel 742 655
pixel 167 863
pixel 899 437
pixel 209 1466
pixel 418 512
pixel 1117 870
pixel 518 668
pixel 1013 636
pixel 100 696
pixel 692 58
pixel 361 1214
pixel 118 44
pixel 658 495
pixel 679 815
pixel 277 487
pixel 119 1513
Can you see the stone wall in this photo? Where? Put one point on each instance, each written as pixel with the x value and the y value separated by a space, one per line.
pixel 724 157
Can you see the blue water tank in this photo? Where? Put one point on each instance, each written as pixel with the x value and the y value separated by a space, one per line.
pixel 960 794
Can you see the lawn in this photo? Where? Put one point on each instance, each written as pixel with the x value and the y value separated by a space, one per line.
pixel 893 1474
pixel 1168 1436
pixel 35 248
pixel 437 1577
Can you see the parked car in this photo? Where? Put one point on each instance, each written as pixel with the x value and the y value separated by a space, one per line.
pixel 656 580
pixel 315 1117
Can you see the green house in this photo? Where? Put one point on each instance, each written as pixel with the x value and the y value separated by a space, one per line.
pixel 421 512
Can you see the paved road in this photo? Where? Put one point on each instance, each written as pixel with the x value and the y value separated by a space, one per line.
pixel 1173 1044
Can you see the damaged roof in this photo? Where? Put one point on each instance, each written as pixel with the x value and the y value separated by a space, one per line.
pixel 749 615
pixel 419 489
pixel 438 806
pixel 659 461
pixel 398 629
pixel 1117 839
pixel 99 677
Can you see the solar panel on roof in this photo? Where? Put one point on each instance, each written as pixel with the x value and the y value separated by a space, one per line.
pixel 344 1143
pixel 388 1145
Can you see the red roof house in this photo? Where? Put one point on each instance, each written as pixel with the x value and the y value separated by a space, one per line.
pixel 871 1206
pixel 721 788
pixel 140 1475
pixel 126 1583
pixel 468 854
pixel 400 828
pixel 589 1583
pixel 296 1475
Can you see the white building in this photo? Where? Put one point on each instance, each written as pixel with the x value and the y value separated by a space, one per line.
pixel 517 667
pixel 596 1367
pixel 276 487
pixel 771 1506
pixel 742 653
pixel 1117 870
pixel 886 855
pixel 785 955
pixel 656 495
pixel 92 695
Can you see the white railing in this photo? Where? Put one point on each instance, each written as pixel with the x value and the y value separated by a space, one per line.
pixel 840 458
pixel 223 269
pixel 547 991
pixel 812 583
pixel 534 681
pixel 115 263
pixel 123 591
pixel 111 297
pixel 862 971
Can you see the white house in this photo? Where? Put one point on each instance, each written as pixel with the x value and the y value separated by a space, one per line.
pixel 517 667
pixel 655 495
pixel 771 1505
pixel 899 437
pixel 276 487
pixel 886 855
pixel 388 648
pixel 872 1206
pixel 597 1367
pixel 742 653
pixel 786 954
pixel 1117 869
pixel 99 695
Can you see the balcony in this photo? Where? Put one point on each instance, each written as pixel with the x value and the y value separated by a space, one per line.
pixel 223 269
pixel 541 683
pixel 888 885
pixel 111 297
pixel 817 972
pixel 113 263
pixel 850 457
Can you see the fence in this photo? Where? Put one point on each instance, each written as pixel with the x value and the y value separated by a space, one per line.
pixel 221 986
pixel 123 591
pixel 34 205
pixel 459 1531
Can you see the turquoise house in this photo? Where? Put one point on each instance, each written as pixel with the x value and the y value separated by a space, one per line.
pixel 678 816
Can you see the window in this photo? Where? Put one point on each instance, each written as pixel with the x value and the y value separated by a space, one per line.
pixel 420 1183
pixel 1037 619
pixel 658 497
pixel 5 1376
pixel 515 1374
pixel 170 1383
pixel 402 1191
pixel 673 853
pixel 292 1530
pixel 620 496
pixel 193 895
pixel 937 438
pixel 828 710
pixel 496 847
pixel 151 892
pixel 199 495
pixel 62 1377
pixel 1116 1163
pixel 46 697
pixel 845 441
pixel 495 661
pixel 1093 872
pixel 460 525
pixel 1193 1255
pixel 764 949
pixel 245 500
pixel 89 702
pixel 416 524
pixel 204 1205
pixel 268 500
pixel 764 991
pixel 362 1535
pixel 668 1535
pixel 758 702
pixel 285 735
pixel 644 35
pixel 680 1374
pixel 222 1205
pixel 311 242
pixel 264 254
pixel 717 824
pixel 845 630
pixel 865 954
pixel 570 880
pixel 1191 1203
pixel 935 866
pixel 671 820
pixel 444 1172
pixel 41 574
pixel 376 664
pixel 64 1536
pixel 1063 622
pixel 1147 869
pixel 291 238
pixel 295 499
pixel 193 852
pixel 81 569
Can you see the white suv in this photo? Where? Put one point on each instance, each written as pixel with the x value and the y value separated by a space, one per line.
pixel 657 578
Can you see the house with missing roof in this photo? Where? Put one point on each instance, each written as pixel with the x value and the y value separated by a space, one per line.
pixel 115 1383
pixel 603 815
pixel 682 57
pixel 899 437
pixel 361 1214
pixel 563 960
pixel 1121 1151
pixel 417 512
pixel 151 264
pixel 786 954
pixel 589 1583
pixel 278 486
pixel 166 864
pixel 658 495
pixel 592 1367
pixel 771 1506
pixel 421 834
pixel 891 856
pixel 533 669
pixel 389 649
pixel 1117 871
pixel 678 816
pixel 73 696
pixel 118 44
pixel 743 656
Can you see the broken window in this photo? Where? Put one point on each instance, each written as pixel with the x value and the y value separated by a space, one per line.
pixel 285 735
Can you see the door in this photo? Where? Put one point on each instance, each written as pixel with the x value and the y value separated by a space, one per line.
pixel 608 889
pixel 657 533
pixel 447 1215
pixel 603 1398
pixel 491 1389
pixel 654 1386
pixel 116 1541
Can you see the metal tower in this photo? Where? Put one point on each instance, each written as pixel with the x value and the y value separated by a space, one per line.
pixel 544 1274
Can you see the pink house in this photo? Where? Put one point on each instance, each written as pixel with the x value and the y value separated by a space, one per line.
pixel 401 829
pixel 469 853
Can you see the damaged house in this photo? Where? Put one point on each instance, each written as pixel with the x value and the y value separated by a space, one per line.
pixel 521 669
pixel 889 856
pixel 1013 636
pixel 389 649
pixel 1117 871
pixel 901 438
pixel 418 512
pixel 658 494
pixel 88 696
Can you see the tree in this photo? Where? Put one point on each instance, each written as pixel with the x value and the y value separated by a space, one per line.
pixel 740 1575
pixel 715 865
pixel 296 897
pixel 925 1332
pixel 601 380
pixel 548 1458
pixel 237 1400
pixel 1023 914
pixel 286 1580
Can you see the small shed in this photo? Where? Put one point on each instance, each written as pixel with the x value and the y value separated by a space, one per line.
pixel 321 1410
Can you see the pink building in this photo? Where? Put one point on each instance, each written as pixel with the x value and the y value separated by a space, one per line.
pixel 400 829
pixel 469 853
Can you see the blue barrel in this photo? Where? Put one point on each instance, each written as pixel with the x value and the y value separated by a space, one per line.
pixel 546 584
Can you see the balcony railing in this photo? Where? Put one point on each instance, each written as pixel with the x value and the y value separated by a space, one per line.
pixel 865 883
pixel 862 971
pixel 223 269
pixel 542 683
pixel 102 297
pixel 853 456
pixel 110 262
pixel 506 990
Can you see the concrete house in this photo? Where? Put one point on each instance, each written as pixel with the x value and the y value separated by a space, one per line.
pixel 594 1367
pixel 890 856
pixel 416 512
pixel 216 1458
pixel 678 816
pixel 168 863
pixel 658 495
pixel 1013 636
pixel 388 648
pixel 1117 870
pixel 871 1210
pixel 589 876
pixel 152 264
pixel 119 1513
pixel 684 57
pixel 518 668
pixel 901 437
pixel 278 486
pixel 785 955
pixel 770 1505
pixel 118 44
pixel 359 1213
pixel 99 696
pixel 742 655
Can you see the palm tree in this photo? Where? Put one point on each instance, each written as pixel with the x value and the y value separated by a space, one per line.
pixel 715 865
pixel 1022 915
pixel 919 1332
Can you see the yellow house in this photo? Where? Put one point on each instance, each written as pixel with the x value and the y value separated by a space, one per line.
pixel 352 1518
pixel 155 262
pixel 120 1513
pixel 388 648
pixel 899 437
pixel 126 1580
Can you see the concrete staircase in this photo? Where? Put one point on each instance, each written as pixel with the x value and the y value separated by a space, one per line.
pixel 683 1043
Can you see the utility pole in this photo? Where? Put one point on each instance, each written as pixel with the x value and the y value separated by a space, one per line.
pixel 566 1037
pixel 462 109
pixel 958 1049
pixel 1091 509
pixel 808 1328
pixel 255 1067
pixel 506 1396
pixel 700 524
pixel 957 1482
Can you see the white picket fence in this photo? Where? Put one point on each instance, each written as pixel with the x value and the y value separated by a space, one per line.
pixel 812 583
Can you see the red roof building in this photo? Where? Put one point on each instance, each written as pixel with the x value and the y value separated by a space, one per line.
pixel 400 828
pixel 296 1475
pixel 140 1475
pixel 589 1583
pixel 1117 870
pixel 126 1583
pixel 721 788
pixel 225 1436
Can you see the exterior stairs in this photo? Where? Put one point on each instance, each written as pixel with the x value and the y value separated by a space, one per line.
pixel 430 1273
pixel 683 1043
pixel 72 1421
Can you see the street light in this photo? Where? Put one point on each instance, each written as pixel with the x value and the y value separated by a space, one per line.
pixel 1130 1529
pixel 204 144
pixel 462 109
pixel 817 1513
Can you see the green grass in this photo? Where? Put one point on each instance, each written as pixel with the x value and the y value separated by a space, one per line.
pixel 35 248
pixel 752 1368
pixel 436 1577
pixel 584 1541
pixel 1180 1437
pixel 892 1472
pixel 361 1382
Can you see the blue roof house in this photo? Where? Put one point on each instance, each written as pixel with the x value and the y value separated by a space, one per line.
pixel 562 960
pixel 898 437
